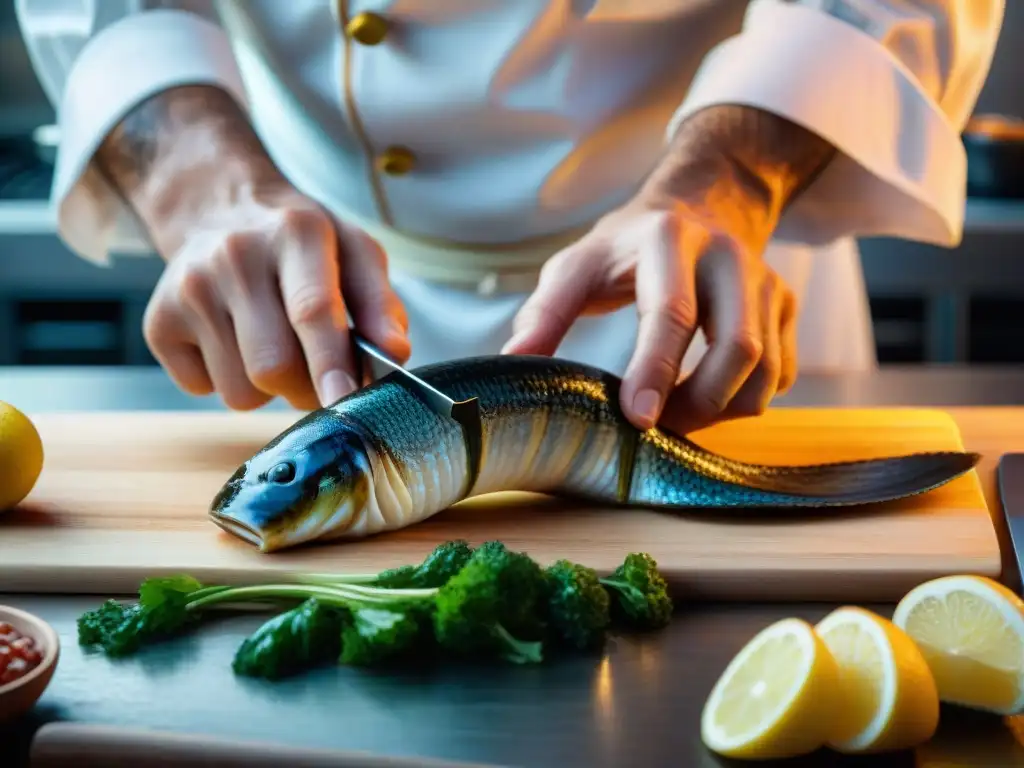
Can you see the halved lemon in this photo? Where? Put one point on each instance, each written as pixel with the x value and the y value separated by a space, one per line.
pixel 776 698
pixel 971 632
pixel 889 697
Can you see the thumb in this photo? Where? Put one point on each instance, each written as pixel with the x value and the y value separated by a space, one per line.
pixel 565 284
pixel 376 310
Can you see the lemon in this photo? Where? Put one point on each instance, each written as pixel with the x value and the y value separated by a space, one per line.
pixel 971 632
pixel 777 697
pixel 890 701
pixel 21 456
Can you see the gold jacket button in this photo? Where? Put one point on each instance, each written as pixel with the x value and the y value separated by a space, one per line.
pixel 396 161
pixel 367 28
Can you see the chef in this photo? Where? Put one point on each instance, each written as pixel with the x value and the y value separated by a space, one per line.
pixel 667 189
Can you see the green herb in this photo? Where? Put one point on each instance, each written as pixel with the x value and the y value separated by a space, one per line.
pixel 641 599
pixel 372 635
pixel 485 603
pixel 578 607
pixel 440 565
pixel 303 637
pixel 162 611
pixel 493 606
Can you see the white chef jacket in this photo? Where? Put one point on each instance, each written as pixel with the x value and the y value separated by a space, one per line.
pixel 528 119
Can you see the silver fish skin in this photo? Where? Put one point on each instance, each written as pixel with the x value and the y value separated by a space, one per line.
pixel 380 459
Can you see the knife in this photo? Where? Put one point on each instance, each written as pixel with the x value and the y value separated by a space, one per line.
pixel 376 364
pixel 1010 479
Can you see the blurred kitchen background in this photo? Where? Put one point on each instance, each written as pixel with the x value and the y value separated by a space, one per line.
pixel 930 305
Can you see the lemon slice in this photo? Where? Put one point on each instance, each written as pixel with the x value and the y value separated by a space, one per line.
pixel 889 697
pixel 971 632
pixel 777 697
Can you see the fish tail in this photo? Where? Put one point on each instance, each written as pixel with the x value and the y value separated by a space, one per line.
pixel 674 472
pixel 865 482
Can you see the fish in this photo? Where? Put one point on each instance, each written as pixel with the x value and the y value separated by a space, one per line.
pixel 381 459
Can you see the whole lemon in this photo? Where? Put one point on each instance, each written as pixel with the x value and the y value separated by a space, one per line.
pixel 21 456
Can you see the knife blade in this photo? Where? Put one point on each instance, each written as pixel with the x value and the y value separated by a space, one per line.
pixel 376 364
pixel 1010 480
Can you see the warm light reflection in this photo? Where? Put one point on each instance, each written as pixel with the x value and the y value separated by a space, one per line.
pixel 1015 727
pixel 603 689
pixel 604 703
pixel 648 658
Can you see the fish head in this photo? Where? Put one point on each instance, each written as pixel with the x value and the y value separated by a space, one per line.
pixel 313 479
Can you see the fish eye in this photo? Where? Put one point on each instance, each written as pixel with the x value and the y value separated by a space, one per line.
pixel 282 473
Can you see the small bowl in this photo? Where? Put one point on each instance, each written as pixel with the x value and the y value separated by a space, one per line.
pixel 19 696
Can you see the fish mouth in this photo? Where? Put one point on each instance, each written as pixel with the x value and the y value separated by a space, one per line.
pixel 242 530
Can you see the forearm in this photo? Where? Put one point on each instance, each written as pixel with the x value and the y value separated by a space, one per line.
pixel 180 156
pixel 888 83
pixel 742 159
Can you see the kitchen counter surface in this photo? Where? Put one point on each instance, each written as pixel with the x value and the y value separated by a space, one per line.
pixel 638 705
pixel 148 388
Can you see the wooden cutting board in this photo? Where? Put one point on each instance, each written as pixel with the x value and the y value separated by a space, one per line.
pixel 124 496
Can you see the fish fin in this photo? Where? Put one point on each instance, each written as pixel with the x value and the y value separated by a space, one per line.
pixel 864 482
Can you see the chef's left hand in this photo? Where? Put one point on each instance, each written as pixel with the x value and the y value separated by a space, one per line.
pixel 686 267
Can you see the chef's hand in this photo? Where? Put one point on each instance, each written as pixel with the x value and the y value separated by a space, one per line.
pixel 684 271
pixel 688 250
pixel 253 304
pixel 259 278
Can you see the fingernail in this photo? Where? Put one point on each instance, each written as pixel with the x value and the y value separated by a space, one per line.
pixel 646 403
pixel 334 385
pixel 396 340
pixel 395 332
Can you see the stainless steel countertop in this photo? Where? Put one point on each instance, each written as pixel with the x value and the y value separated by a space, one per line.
pixel 639 705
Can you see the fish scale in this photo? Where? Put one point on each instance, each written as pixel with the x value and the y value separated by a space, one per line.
pixel 548 425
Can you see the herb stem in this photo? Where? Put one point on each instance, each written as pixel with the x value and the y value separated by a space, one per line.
pixel 365 590
pixel 338 594
pixel 338 578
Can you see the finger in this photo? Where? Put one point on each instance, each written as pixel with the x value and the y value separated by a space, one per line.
pixel 269 349
pixel 736 342
pixel 172 344
pixel 210 322
pixel 185 365
pixel 376 310
pixel 788 342
pixel 666 302
pixel 560 297
pixel 310 285
pixel 757 391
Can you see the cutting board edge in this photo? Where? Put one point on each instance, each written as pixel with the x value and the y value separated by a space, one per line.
pixel 871 585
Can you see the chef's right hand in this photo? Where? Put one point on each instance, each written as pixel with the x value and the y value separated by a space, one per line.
pixel 253 304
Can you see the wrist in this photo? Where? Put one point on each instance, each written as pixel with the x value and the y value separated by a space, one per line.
pixel 715 191
pixel 738 166
pixel 183 157
pixel 190 191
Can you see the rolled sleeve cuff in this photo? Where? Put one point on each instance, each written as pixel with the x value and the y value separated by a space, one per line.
pixel 901 168
pixel 122 66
